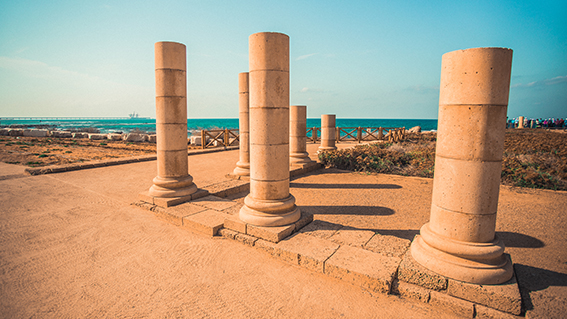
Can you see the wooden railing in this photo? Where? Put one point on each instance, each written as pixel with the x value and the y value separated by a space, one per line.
pixel 226 137
pixel 215 138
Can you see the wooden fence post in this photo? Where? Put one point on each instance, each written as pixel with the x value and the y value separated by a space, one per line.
pixel 380 134
pixel 226 138
pixel 359 134
pixel 337 134
pixel 203 139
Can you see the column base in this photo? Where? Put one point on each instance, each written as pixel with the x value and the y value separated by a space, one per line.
pixel 173 187
pixel 299 158
pixel 326 148
pixel 476 263
pixel 269 213
pixel 242 169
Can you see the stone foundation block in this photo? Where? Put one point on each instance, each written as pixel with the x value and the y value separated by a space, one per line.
pixel 304 220
pixel 504 297
pixel 175 214
pixel 410 291
pixel 61 134
pixel 412 272
pixel 15 132
pixel 321 229
pixel 273 234
pixel 80 135
pixel 265 246
pixel 152 138
pixel 307 251
pixel 363 268
pixel 386 245
pixel 208 222
pixel 455 305
pixel 4 132
pixel 114 137
pixel 352 236
pixel 36 133
pixel 234 223
pixel 231 234
pixel 134 137
pixel 96 136
pixel 482 312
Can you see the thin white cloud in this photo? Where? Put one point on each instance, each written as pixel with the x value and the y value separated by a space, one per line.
pixel 552 81
pixel 302 57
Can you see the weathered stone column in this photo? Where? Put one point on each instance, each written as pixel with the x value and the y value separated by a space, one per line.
pixel 298 135
pixel 173 179
pixel 243 164
pixel 459 241
pixel 521 122
pixel 327 132
pixel 269 202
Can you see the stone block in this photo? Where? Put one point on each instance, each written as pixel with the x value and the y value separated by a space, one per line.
pixel 363 268
pixel 171 201
pixel 273 234
pixel 80 135
pixel 387 245
pixel 352 236
pixel 96 136
pixel 233 210
pixel 214 202
pixel 308 251
pixel 61 134
pixel 4 132
pixel 152 138
pixel 208 222
pixel 410 291
pixel 265 246
pixel 455 305
pixel 321 229
pixel 15 132
pixel 196 140
pixel 482 312
pixel 36 133
pixel 504 297
pixel 175 214
pixel 134 137
pixel 412 272
pixel 234 223
pixel 231 234
pixel 304 220
pixel 114 137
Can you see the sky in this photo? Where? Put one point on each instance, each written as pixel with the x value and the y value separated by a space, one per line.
pixel 355 59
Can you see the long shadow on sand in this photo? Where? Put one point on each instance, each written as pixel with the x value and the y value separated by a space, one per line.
pixel 536 279
pixel 519 240
pixel 349 210
pixel 343 186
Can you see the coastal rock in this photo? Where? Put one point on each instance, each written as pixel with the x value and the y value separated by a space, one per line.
pixel 415 129
pixel 4 131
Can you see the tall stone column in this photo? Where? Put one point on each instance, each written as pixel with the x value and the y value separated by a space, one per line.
pixel 243 164
pixel 459 241
pixel 328 132
pixel 298 135
pixel 269 202
pixel 173 179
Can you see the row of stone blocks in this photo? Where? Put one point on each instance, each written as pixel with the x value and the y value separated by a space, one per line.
pixel 378 263
pixel 130 137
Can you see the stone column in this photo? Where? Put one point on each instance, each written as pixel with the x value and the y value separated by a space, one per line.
pixel 269 202
pixel 243 164
pixel 521 122
pixel 298 135
pixel 327 132
pixel 173 179
pixel 459 241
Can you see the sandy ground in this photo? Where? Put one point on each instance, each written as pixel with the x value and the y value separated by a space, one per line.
pixel 72 246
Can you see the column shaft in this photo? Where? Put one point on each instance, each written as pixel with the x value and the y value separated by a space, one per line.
pixel 328 132
pixel 243 164
pixel 459 241
pixel 269 202
pixel 172 178
pixel 298 135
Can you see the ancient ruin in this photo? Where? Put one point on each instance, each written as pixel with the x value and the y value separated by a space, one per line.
pixel 269 202
pixel 173 179
pixel 243 164
pixel 328 129
pixel 298 135
pixel 459 242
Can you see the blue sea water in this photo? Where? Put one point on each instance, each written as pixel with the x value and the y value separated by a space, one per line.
pixel 125 125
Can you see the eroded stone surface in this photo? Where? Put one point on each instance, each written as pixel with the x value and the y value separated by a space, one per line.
pixel 310 252
pixel 207 222
pixel 387 245
pixel 321 229
pixel 414 273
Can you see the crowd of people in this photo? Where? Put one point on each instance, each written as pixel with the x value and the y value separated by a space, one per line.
pixel 537 123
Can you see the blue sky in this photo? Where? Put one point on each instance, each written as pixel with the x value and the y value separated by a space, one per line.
pixel 355 59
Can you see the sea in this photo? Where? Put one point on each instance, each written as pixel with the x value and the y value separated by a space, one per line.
pixel 194 126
